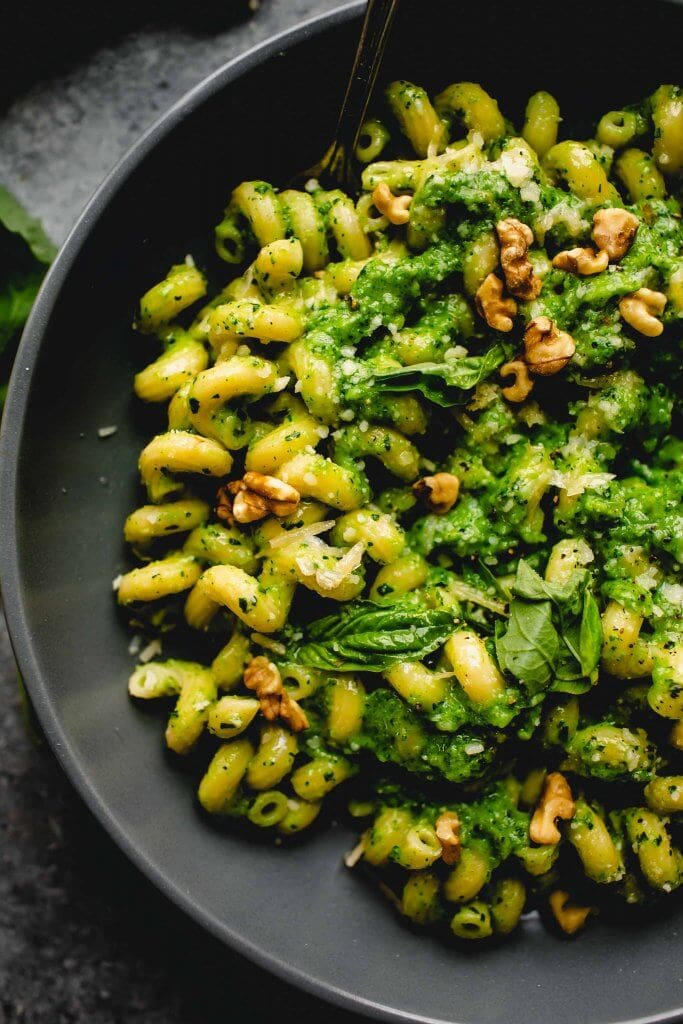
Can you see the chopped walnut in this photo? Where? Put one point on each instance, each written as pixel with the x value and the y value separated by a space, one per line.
pixel 581 261
pixel 496 311
pixel 264 677
pixel 439 492
pixel 614 231
pixel 448 834
pixel 570 916
pixel 638 310
pixel 523 385
pixel 556 802
pixel 254 497
pixel 224 499
pixel 515 239
pixel 547 349
pixel 395 208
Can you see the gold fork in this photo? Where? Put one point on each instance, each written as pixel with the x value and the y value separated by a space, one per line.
pixel 336 168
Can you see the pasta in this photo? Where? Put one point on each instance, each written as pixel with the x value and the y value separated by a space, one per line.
pixel 416 510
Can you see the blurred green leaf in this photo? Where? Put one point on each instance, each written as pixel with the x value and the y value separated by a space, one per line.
pixel 25 252
pixel 15 219
pixel 17 294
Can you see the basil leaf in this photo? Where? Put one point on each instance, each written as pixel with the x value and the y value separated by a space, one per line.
pixel 529 647
pixel 15 219
pixel 25 250
pixel 569 677
pixel 530 585
pixel 575 687
pixel 590 635
pixel 17 294
pixel 569 665
pixel 443 384
pixel 369 637
pixel 575 619
pixel 492 582
pixel 581 634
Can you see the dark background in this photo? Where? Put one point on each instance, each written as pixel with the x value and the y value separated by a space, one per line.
pixel 83 937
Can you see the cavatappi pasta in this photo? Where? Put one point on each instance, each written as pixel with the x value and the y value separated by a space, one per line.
pixel 417 498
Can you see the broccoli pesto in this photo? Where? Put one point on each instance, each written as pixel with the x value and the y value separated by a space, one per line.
pixel 419 498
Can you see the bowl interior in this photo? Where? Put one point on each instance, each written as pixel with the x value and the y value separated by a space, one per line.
pixel 66 493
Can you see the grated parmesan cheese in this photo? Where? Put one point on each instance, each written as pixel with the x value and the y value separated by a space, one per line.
pixel 561 213
pixel 354 855
pixel 304 533
pixel 648 579
pixel 456 352
pixel 268 643
pixel 150 651
pixel 516 165
pixel 135 645
pixel 330 579
pixel 467 593
pixel 530 192
pixel 577 484
pixel 673 593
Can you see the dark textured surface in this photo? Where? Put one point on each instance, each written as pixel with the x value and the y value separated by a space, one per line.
pixel 83 937
pixel 60 139
pixel 512 986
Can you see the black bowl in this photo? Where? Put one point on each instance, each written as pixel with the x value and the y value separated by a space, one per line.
pixel 64 494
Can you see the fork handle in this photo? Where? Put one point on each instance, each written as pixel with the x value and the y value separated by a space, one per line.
pixel 378 17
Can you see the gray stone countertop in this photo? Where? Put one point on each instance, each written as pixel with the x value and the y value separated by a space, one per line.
pixel 83 937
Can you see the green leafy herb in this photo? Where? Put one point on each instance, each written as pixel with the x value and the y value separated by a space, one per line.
pixel 529 647
pixel 17 294
pixel 25 251
pixel 590 634
pixel 15 219
pixel 368 637
pixel 554 634
pixel 444 384
pixel 529 585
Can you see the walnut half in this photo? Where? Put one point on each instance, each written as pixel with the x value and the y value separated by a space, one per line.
pixel 395 208
pixel 515 239
pixel 439 492
pixel 547 349
pixel 639 311
pixel 614 230
pixel 254 497
pixel 264 677
pixel 523 385
pixel 581 261
pixel 570 916
pixel 556 802
pixel 496 311
pixel 448 834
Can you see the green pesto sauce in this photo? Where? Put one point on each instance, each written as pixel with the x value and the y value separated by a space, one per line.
pixel 394 734
pixel 494 819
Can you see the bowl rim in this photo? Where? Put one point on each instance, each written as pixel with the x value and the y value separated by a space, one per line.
pixel 11 437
